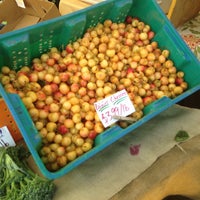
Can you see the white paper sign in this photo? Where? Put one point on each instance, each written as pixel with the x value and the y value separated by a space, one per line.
pixel 118 104
pixel 6 139
pixel 20 3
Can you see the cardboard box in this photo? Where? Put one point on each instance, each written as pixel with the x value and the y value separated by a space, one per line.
pixel 184 11
pixel 17 17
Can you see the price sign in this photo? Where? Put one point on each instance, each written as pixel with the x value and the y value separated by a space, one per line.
pixel 6 139
pixel 118 104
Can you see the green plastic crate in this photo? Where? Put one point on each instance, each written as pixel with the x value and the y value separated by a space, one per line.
pixel 19 47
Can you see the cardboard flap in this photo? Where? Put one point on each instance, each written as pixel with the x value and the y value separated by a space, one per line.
pixel 26 20
pixel 7 7
pixel 35 8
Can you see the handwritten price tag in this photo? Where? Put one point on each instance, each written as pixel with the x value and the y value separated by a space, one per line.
pixel 6 139
pixel 118 104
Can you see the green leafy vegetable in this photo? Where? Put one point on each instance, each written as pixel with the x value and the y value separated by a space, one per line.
pixel 181 136
pixel 18 181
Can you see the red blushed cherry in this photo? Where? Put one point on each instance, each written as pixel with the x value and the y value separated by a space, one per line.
pixel 130 70
pixel 51 62
pixel 69 49
pixel 62 129
pixel 83 83
pixel 128 19
pixel 57 95
pixel 147 100
pixel 54 87
pixel 140 68
pixel 150 35
pixel 38 67
pixel 33 77
pixel 64 76
pixel 178 81
pixel 92 135
pixel 152 86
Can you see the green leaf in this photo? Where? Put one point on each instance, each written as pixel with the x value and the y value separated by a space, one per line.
pixel 195 31
pixel 181 136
